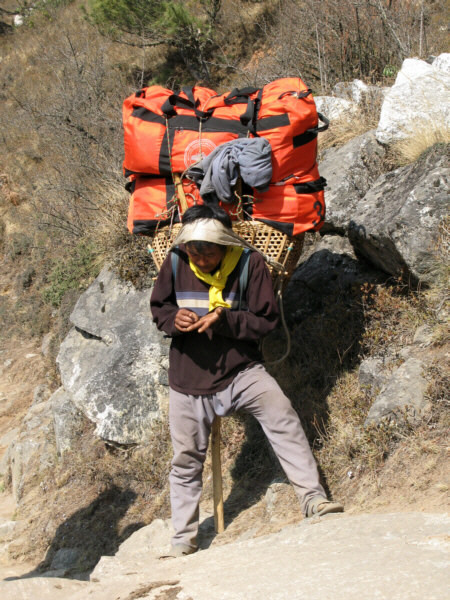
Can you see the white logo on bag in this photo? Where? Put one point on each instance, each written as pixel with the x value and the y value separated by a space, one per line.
pixel 193 153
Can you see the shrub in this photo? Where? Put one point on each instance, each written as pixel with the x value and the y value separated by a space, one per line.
pixel 71 273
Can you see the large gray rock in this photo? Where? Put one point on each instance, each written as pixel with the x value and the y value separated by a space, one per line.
pixel 417 101
pixel 7 529
pixel 41 392
pixel 359 92
pixel 330 268
pixel 65 559
pixel 396 224
pixel 371 373
pixel 350 172
pixel 114 361
pixel 33 451
pixel 404 391
pixel 335 108
pixel 341 557
pixel 67 420
pixel 151 540
pixel 330 273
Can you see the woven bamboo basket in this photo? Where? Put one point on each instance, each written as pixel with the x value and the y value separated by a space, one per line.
pixel 282 250
pixel 277 246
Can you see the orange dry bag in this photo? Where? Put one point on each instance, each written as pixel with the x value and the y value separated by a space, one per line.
pixel 165 133
pixel 294 206
pixel 284 112
pixel 153 202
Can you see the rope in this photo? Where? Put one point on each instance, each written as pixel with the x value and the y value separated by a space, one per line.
pixel 278 284
pixel 286 332
pixel 200 138
pixel 176 196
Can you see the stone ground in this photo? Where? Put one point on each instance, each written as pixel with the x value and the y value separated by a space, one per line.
pixel 400 556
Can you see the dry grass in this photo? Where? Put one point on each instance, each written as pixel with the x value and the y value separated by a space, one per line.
pixel 354 457
pixel 424 136
pixel 343 130
pixel 347 448
pixel 94 498
pixel 392 466
pixel 126 253
pixel 392 314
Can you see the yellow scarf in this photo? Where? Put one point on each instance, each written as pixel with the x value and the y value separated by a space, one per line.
pixel 218 279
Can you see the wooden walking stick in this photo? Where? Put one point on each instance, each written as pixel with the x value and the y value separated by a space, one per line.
pixel 219 522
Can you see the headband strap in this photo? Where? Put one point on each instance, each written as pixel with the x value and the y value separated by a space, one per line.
pixel 212 230
pixel 209 230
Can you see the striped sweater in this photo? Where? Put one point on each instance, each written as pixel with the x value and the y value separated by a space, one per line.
pixel 203 363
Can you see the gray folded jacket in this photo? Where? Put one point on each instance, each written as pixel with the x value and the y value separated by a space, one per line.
pixel 217 173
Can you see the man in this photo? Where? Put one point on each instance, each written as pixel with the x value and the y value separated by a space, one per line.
pixel 215 365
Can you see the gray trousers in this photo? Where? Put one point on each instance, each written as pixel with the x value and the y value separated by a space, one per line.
pixel 191 418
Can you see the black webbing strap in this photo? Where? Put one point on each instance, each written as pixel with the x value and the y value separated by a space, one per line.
pixel 250 117
pixel 168 108
pixel 240 95
pixel 303 94
pixel 310 134
pixel 325 121
pixel 309 187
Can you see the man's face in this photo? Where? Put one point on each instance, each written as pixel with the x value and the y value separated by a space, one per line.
pixel 208 259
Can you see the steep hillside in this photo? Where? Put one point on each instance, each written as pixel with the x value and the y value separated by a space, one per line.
pixel 62 217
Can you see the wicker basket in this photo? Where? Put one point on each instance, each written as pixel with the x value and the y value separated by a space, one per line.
pixel 279 247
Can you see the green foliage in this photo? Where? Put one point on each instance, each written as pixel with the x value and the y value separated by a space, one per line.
pixel 187 28
pixel 153 20
pixel 390 71
pixel 177 18
pixel 71 273
pixel 135 17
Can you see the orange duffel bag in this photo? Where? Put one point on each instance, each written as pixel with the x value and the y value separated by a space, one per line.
pixel 284 112
pixel 293 206
pixel 166 132
pixel 153 203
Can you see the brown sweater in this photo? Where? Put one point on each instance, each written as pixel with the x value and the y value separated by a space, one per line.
pixel 204 363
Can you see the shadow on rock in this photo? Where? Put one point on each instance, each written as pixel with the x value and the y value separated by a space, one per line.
pixel 324 310
pixel 86 536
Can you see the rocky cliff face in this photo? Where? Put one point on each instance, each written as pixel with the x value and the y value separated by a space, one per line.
pixel 113 363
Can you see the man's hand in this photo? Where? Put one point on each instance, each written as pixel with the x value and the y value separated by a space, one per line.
pixel 184 319
pixel 205 322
